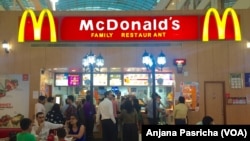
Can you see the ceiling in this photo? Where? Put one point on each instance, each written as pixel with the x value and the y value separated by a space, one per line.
pixel 115 5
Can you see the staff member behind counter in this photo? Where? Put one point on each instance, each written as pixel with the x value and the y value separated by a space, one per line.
pixel 180 112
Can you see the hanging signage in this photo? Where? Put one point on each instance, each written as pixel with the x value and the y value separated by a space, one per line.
pixel 135 79
pixel 221 24
pixel 164 79
pixel 46 27
pixel 115 79
pixel 100 79
pixel 129 28
pixel 179 63
pixel 35 26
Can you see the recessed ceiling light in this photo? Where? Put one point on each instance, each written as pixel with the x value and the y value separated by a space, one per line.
pixel 54 0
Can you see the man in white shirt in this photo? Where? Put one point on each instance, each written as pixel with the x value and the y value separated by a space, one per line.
pixel 39 106
pixel 105 110
pixel 49 104
pixel 42 128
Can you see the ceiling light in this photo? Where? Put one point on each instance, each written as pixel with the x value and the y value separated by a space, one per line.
pixel 248 44
pixel 6 46
pixel 54 1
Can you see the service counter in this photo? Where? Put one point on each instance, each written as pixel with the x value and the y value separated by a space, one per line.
pixel 163 119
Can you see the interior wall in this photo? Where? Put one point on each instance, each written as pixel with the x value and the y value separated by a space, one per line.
pixel 210 61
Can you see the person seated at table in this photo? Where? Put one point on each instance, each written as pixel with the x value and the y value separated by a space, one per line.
pixel 61 134
pixel 25 135
pixel 206 120
pixel 42 128
pixel 75 129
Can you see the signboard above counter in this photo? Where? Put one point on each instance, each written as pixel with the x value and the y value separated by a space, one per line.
pixel 164 79
pixel 136 79
pixel 67 79
pixel 112 79
pixel 115 79
pixel 99 79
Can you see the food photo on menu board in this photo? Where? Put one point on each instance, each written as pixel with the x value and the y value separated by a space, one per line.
pixel 61 79
pixel 136 79
pixel 165 79
pixel 74 80
pixel 115 80
pixel 99 79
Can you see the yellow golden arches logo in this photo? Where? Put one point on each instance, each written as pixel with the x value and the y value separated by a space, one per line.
pixel 37 24
pixel 221 24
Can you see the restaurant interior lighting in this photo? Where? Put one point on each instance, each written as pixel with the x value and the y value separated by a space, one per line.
pixel 152 64
pixel 6 46
pixel 90 62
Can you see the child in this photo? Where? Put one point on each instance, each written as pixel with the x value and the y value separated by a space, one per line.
pixel 61 134
pixel 25 135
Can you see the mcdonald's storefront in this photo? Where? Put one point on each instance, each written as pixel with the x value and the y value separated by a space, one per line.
pixel 215 59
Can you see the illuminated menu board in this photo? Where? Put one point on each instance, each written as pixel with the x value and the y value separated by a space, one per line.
pixel 115 79
pixel 164 79
pixel 135 79
pixel 67 79
pixel 61 79
pixel 74 79
pixel 99 79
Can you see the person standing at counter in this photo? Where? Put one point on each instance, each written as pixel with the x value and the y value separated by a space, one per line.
pixel 71 109
pixel 49 104
pixel 89 116
pixel 55 115
pixel 118 99
pixel 115 111
pixel 180 112
pixel 149 109
pixel 105 111
pixel 39 106
pixel 129 119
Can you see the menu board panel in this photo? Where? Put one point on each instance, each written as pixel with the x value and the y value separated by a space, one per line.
pixel 99 79
pixel 61 79
pixel 115 79
pixel 74 80
pixel 67 79
pixel 164 79
pixel 135 79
